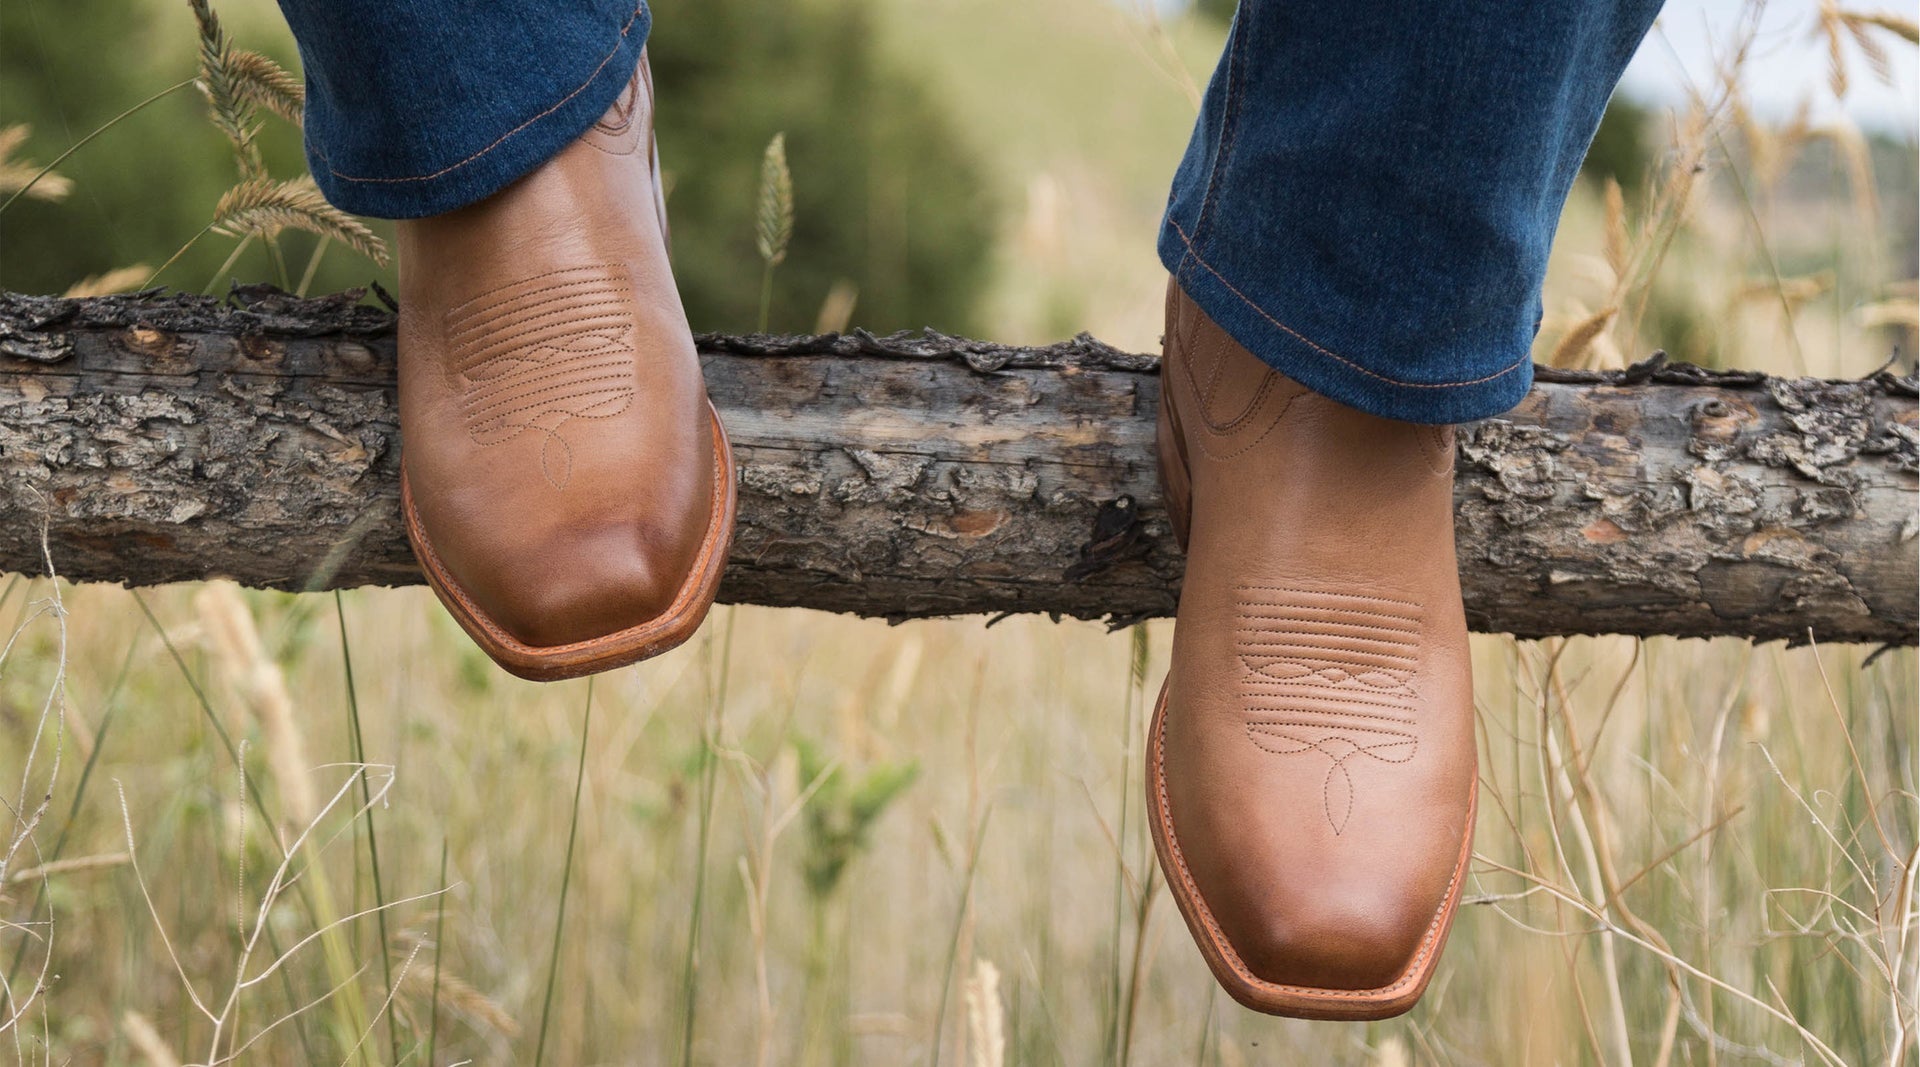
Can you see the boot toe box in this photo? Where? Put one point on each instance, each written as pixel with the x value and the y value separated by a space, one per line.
pixel 546 578
pixel 1358 936
pixel 592 584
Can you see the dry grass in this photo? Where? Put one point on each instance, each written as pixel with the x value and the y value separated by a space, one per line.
pixel 1690 849
pixel 249 829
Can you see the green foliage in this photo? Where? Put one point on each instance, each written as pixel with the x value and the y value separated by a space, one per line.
pixel 841 815
pixel 146 186
pixel 884 193
pixel 1220 11
pixel 1622 149
pixel 886 198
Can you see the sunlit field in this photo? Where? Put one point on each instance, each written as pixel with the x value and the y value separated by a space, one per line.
pixel 265 828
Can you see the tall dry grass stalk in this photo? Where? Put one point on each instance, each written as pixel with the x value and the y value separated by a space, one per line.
pixel 237 85
pixel 986 1026
pixel 1718 145
pixel 147 1041
pixel 30 805
pixel 223 1013
pixel 227 626
pixel 21 178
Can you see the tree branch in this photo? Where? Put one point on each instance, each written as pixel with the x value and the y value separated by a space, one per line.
pixel 169 438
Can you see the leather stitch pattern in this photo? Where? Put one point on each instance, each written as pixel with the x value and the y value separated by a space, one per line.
pixel 538 359
pixel 1183 335
pixel 558 304
pixel 480 343
pixel 624 108
pixel 459 311
pixel 1440 457
pixel 494 400
pixel 1344 611
pixel 1320 592
pixel 1347 698
pixel 1208 430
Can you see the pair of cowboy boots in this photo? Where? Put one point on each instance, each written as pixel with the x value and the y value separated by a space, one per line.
pixel 569 492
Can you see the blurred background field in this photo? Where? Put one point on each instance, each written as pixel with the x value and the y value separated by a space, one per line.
pixel 812 839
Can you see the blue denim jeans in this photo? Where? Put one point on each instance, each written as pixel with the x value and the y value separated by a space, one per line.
pixel 417 107
pixel 1366 203
pixel 1372 187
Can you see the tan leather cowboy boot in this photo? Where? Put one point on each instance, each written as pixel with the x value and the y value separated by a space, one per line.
pixel 567 485
pixel 1310 772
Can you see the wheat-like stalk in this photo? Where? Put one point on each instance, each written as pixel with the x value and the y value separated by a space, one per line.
pixel 461 997
pixel 1572 349
pixel 1894 311
pixel 1790 291
pixel 118 280
pixel 1770 150
pixel 1870 47
pixel 986 1030
pixel 1838 25
pixel 264 206
pixel 142 1036
pixel 18 174
pixel 836 311
pixel 235 642
pixel 260 81
pixel 1899 25
pixel 1619 245
pixel 229 108
pixel 774 221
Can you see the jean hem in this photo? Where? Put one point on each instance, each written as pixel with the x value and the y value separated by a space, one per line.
pixel 508 157
pixel 1479 392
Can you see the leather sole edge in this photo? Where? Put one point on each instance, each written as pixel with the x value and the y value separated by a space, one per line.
pixel 644 640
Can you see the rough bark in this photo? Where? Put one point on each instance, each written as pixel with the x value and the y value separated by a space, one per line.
pixel 163 438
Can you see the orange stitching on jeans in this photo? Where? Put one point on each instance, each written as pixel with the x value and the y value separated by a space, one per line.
pixel 558 104
pixel 1303 339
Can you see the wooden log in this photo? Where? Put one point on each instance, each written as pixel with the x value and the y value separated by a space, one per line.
pixel 160 438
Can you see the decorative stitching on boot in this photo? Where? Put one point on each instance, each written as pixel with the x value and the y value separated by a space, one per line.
pixel 1262 397
pixel 1440 454
pixel 535 357
pixel 616 125
pixel 1337 687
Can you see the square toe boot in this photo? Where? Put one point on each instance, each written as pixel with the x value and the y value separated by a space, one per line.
pixel 566 484
pixel 1311 775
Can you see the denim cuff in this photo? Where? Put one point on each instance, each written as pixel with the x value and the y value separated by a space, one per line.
pixel 1323 364
pixel 1372 187
pixel 474 122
